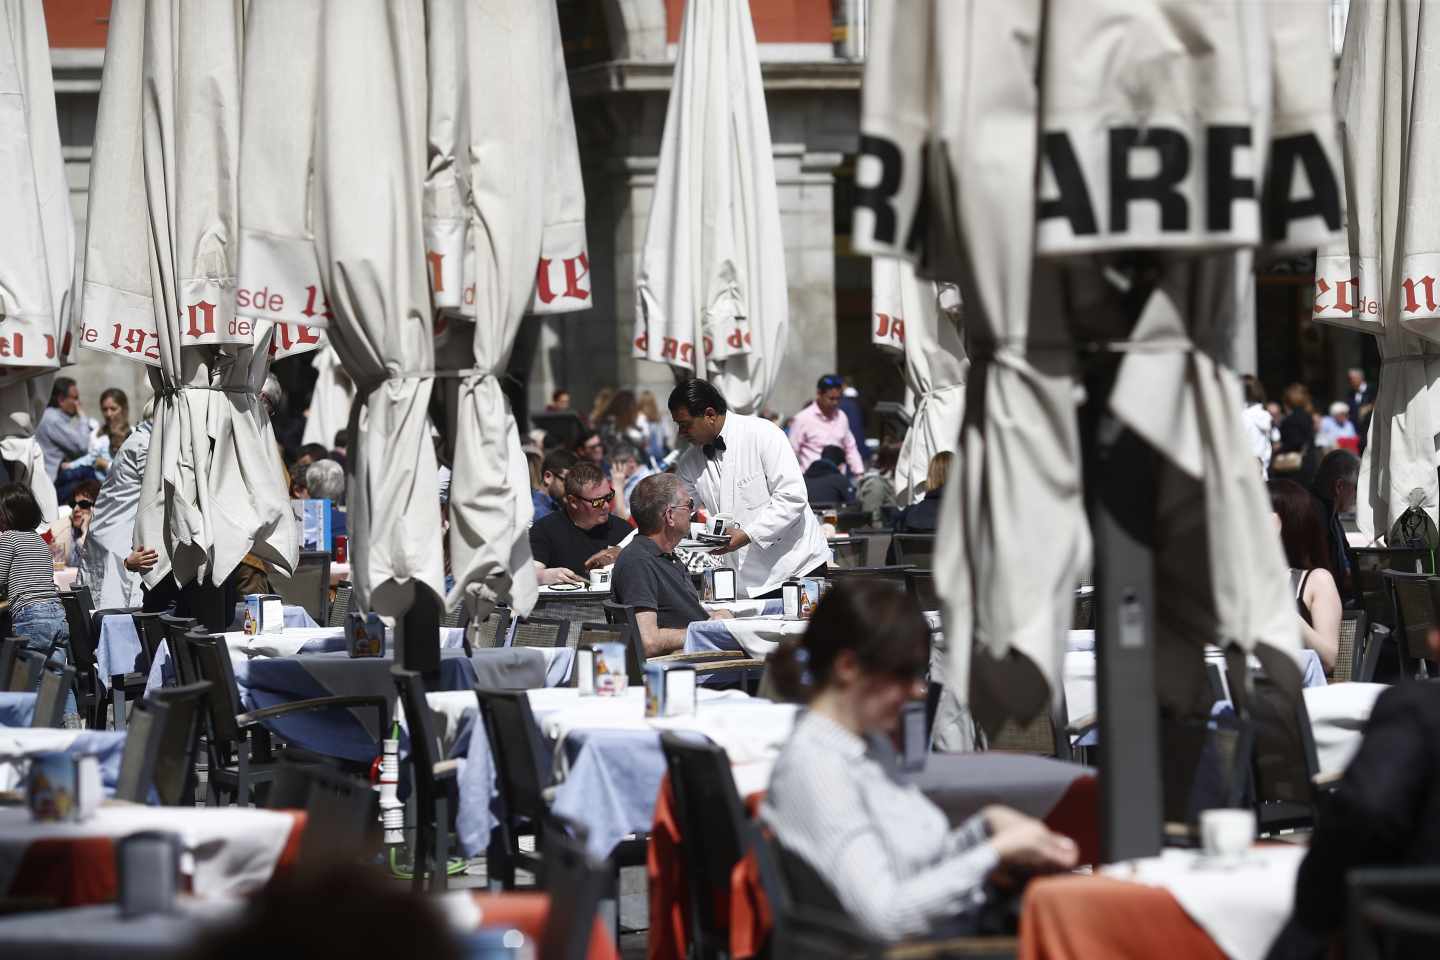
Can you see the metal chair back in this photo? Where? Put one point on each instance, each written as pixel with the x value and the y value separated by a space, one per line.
pixel 180 740
pixel 575 884
pixel 540 632
pixel 494 630
pixel 50 700
pixel 143 734
pixel 913 549
pixel 1414 617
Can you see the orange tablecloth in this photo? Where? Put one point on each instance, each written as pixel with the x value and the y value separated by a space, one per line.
pixel 1080 918
pixel 1075 814
pixel 526 912
pixel 79 871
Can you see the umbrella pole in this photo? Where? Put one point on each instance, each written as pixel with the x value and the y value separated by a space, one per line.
pixel 417 638
pixel 1120 473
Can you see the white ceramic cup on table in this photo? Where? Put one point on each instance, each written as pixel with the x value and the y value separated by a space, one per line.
pixel 1225 834
pixel 720 525
pixel 600 578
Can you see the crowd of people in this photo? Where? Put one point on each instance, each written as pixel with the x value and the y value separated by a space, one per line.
pixel 1291 437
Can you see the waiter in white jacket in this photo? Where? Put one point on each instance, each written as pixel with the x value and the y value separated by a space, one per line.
pixel 743 466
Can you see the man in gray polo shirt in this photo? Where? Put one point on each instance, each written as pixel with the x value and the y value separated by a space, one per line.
pixel 648 576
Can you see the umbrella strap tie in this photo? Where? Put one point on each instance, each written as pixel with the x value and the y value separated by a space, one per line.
pixel 442 374
pixel 169 392
pixel 1410 358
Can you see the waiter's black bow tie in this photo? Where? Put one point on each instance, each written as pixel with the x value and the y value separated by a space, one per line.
pixel 713 447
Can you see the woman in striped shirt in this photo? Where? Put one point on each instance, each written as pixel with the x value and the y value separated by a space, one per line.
pixel 27 582
pixel 836 802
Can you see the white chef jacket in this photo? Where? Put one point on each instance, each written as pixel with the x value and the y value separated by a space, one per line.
pixel 757 480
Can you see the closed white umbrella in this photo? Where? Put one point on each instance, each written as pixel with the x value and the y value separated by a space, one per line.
pixel 1382 278
pixel 330 403
pixel 160 267
pixel 710 283
pixel 924 317
pixel 332 169
pixel 504 178
pixel 1141 79
pixel 37 247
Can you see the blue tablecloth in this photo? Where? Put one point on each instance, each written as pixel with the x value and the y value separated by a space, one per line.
pixel 106 745
pixel 350 734
pixel 117 649
pixel 17 709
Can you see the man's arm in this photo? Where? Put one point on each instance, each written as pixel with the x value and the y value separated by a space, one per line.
pixel 788 499
pixel 657 641
pixel 852 454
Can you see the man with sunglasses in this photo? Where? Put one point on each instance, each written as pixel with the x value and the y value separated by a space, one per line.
pixel 649 577
pixel 823 424
pixel 580 536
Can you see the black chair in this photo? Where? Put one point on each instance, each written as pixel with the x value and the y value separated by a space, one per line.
pixel 494 630
pixel 344 596
pixel 10 648
pixel 1352 640
pixel 913 549
pixel 175 772
pixel 1391 912
pixel 575 884
pixel 25 667
pixel 1368 566
pixel 128 687
pixel 522 779
pixel 182 665
pixel 341 812
pixel 1414 617
pixel 309 587
pixel 50 700
pixel 433 778
pixel 809 920
pixel 877 544
pixel 850 553
pixel 142 752
pixel 891 574
pixel 568 607
pixel 1376 642
pixel 1285 764
pixel 81 655
pixel 921 585
pixel 713 827
pixel 541 633
pixel 235 766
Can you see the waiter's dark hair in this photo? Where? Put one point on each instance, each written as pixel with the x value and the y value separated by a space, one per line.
pixel 880 624
pixel 695 395
pixel 18 509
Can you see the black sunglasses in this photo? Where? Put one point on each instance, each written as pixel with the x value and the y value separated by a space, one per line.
pixel 598 502
pixel 84 504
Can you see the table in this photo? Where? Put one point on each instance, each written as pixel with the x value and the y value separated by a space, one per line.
pixel 754 636
pixel 1338 715
pixel 84 933
pixel 1173 905
pixel 607 759
pixel 16 742
pixel 229 850
pixel 289 642
pixel 351 734
pixel 118 650
pixel 17 709
pixel 529 912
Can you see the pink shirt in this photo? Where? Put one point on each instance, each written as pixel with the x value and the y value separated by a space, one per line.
pixel 811 431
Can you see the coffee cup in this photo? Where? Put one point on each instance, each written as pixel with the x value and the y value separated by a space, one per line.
pixel 720 525
pixel 600 578
pixel 1226 834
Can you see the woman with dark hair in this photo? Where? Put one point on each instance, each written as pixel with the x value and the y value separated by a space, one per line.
pixel 64 437
pixel 1317 599
pixel 27 582
pixel 115 409
pixel 835 802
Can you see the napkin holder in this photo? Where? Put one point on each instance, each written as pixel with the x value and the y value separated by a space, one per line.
pixel 364 635
pixel 798 598
pixel 264 613
pixel 585 670
pixel 147 871
pixel 313 524
pixel 718 585
pixel 610 678
pixel 63 787
pixel 669 690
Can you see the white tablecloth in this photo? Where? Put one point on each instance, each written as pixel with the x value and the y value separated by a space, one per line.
pixel 1338 715
pixel 1242 908
pixel 229 850
pixel 16 742
pixel 755 636
pixel 85 933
